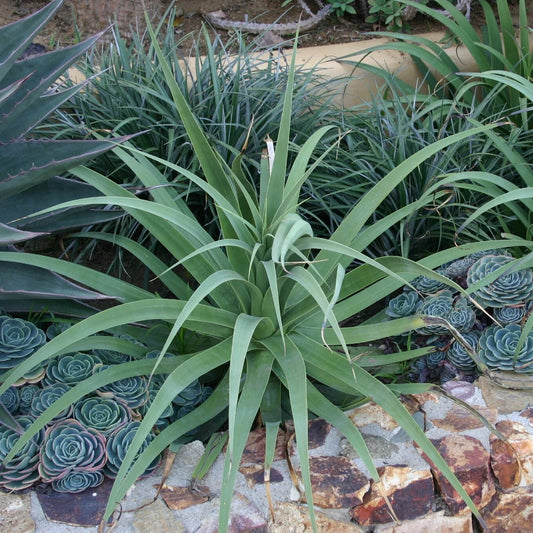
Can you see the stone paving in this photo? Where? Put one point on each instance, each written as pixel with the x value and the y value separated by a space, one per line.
pixel 496 471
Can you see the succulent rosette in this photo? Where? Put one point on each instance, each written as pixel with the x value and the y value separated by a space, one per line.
pixel 459 267
pixel 57 328
pixel 19 339
pixel 45 397
pixel 78 481
pixel 27 392
pixel 459 357
pixel 111 357
pixel 20 472
pixel 434 359
pixel 511 288
pixel 70 368
pixel 439 306
pixel 133 391
pixel 427 285
pixel 497 348
pixel 117 446
pixel 511 314
pixel 102 414
pixel 403 305
pixel 69 447
pixel 462 317
pixel 190 397
pixel 11 399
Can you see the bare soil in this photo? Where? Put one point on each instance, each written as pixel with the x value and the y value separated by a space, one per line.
pixel 78 19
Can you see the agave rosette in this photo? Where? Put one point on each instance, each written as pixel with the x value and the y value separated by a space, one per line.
pixel 117 446
pixel 511 288
pixel 102 414
pixel 68 447
pixel 498 348
pixel 20 472
pixel 70 368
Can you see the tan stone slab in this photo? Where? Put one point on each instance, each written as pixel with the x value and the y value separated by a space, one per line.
pixel 156 517
pixel 15 514
pixel 294 518
pixel 505 400
pixel 460 419
pixel 431 523
pixel 178 498
pixel 372 413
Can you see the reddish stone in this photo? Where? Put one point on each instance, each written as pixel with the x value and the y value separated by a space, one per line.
pixel 459 419
pixel 509 511
pixel 254 452
pixel 255 474
pixel 317 432
pixel 519 447
pixel 504 462
pixel 431 523
pixel 336 482
pixel 409 492
pixel 470 463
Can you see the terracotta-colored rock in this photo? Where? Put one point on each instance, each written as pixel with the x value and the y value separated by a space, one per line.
pixel 509 511
pixel 431 523
pixel 178 498
pixel 254 452
pixel 294 518
pixel 470 463
pixel 410 493
pixel 337 482
pixel 459 419
pixel 317 431
pixel 519 441
pixel 255 474
pixel 504 463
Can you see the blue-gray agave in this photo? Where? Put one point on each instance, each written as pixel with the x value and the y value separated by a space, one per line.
pixel 511 288
pixel 497 348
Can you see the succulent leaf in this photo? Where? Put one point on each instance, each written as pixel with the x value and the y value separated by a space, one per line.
pixel 70 368
pixel 102 414
pixel 45 397
pixel 78 481
pixel 428 286
pixel 18 340
pixel 497 348
pixel 510 314
pixel 511 288
pixel 403 305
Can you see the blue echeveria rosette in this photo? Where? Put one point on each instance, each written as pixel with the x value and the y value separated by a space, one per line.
pixel 511 288
pixel 26 393
pixel 439 306
pixel 403 305
pixel 117 446
pixel 133 391
pixel 429 286
pixel 68 447
pixel 19 339
pixel 102 414
pixel 45 397
pixel 459 357
pixel 70 368
pixel 11 400
pixel 21 472
pixel 497 348
pixel 78 481
pixel 462 317
pixel 510 314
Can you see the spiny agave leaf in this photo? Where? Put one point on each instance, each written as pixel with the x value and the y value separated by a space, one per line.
pixel 18 281
pixel 10 236
pixel 22 32
pixel 28 163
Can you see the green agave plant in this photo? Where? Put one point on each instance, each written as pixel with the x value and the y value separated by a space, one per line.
pixel 265 301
